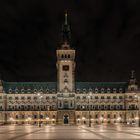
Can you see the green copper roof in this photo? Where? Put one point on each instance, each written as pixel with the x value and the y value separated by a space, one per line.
pixel 102 85
pixel 29 86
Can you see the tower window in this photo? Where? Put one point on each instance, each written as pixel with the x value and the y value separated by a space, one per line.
pixel 69 56
pixel 65 67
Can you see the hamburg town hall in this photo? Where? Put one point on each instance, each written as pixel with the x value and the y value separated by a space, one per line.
pixel 67 101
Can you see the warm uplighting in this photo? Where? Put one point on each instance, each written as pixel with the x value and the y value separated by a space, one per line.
pixel 83 118
pixel 119 118
pixel 101 118
pixel 40 97
pixel 47 118
pixel 29 119
pixel 53 119
pixel 135 95
pixel 11 119
pixel 136 118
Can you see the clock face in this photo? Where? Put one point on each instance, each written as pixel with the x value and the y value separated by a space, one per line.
pixel 65 67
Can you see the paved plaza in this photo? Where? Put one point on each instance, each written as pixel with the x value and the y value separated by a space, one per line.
pixel 69 133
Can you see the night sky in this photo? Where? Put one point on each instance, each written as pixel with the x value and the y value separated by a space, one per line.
pixel 105 34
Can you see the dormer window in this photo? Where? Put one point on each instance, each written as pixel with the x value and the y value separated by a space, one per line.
pixel 78 90
pixel 53 90
pixel 96 90
pixel 35 90
pixel 47 90
pixel 84 90
pixel 108 90
pixel 120 90
pixel 10 90
pixel 114 90
pixel 16 90
pixel 29 90
pixel 22 90
pixel 90 90
pixel 41 90
pixel 102 90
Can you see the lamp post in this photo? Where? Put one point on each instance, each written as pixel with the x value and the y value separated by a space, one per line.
pixel 40 97
pixel 89 96
pixel 137 96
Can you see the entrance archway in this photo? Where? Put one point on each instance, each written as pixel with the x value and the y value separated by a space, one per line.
pixel 66 119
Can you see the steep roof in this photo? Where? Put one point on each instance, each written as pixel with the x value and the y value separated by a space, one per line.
pixel 29 86
pixel 102 85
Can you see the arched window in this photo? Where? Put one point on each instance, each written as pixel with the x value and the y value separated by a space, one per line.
pixel 62 56
pixel 68 55
pixel 22 90
pixel 96 90
pixel 10 90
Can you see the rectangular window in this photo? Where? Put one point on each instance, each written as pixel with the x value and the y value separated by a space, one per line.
pixel 22 98
pixel 29 98
pixel 16 98
pixel 65 67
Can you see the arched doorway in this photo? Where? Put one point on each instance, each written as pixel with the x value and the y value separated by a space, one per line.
pixel 66 119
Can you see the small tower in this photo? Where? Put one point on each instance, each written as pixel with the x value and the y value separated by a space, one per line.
pixel 132 82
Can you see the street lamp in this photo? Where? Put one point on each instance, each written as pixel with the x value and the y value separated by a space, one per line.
pixel 89 96
pixel 137 96
pixel 40 97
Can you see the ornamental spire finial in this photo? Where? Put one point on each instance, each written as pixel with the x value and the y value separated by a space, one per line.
pixel 66 18
pixel 132 74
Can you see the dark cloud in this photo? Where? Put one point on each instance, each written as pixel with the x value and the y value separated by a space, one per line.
pixel 105 34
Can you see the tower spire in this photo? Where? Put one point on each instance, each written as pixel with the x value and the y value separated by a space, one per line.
pixel 66 32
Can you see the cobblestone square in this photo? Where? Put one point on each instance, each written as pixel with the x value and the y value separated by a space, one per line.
pixel 13 132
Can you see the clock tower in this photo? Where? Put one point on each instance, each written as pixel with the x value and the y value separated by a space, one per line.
pixel 65 77
pixel 65 61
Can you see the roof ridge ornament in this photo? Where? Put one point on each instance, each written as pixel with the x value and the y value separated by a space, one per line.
pixel 132 74
pixel 66 17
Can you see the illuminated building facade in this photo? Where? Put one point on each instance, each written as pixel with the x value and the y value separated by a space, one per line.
pixel 67 101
